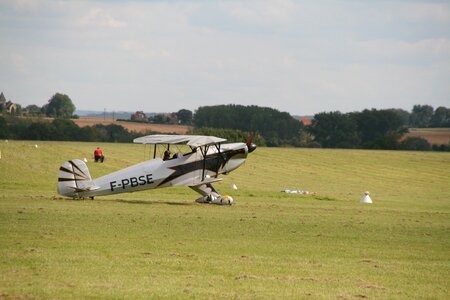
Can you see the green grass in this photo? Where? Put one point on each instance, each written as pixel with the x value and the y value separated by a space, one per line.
pixel 161 244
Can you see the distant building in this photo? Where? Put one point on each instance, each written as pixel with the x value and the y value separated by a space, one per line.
pixel 11 108
pixel 306 120
pixel 139 116
pixel 7 106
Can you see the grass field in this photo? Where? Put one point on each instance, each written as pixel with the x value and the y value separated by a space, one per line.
pixel 161 244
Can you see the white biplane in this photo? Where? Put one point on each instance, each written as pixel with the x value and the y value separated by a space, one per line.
pixel 198 168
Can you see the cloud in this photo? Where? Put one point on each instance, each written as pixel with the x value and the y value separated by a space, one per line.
pixel 99 17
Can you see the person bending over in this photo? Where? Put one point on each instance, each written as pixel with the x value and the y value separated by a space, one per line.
pixel 98 155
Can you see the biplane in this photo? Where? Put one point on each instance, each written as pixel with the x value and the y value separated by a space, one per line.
pixel 198 167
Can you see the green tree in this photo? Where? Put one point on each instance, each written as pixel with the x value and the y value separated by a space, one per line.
pixel 159 119
pixel 43 131
pixel 184 116
pixel 3 128
pixel 277 128
pixel 65 130
pixel 415 143
pixel 380 129
pixel 441 117
pixel 335 130
pixel 112 133
pixel 403 114
pixel 18 110
pixel 59 106
pixel 33 110
pixel 421 116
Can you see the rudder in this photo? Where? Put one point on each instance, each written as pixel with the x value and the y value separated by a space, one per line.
pixel 74 178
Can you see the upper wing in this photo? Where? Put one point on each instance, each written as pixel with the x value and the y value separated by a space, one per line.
pixel 190 140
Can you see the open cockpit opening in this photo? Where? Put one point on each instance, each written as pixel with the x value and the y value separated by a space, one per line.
pixel 167 151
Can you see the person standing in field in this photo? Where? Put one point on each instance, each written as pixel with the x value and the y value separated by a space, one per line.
pixel 98 155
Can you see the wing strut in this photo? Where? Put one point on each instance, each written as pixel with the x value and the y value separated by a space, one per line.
pixel 204 151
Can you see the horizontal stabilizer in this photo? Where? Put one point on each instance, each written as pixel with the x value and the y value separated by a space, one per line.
pixel 85 189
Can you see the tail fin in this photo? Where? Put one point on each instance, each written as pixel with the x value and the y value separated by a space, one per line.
pixel 74 178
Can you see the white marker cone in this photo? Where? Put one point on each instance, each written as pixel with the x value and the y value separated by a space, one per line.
pixel 85 159
pixel 366 198
pixel 234 187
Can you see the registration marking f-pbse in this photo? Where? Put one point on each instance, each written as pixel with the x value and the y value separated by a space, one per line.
pixel 132 182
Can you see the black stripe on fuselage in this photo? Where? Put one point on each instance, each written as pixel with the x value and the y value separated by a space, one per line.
pixel 213 163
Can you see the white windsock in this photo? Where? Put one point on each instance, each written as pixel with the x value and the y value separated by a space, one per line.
pixel 366 198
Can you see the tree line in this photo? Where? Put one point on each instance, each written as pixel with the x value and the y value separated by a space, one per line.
pixel 378 129
pixel 59 106
pixel 425 116
pixel 274 128
pixel 368 129
pixel 63 130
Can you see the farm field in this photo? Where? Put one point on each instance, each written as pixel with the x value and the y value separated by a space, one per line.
pixel 436 136
pixel 269 245
pixel 133 126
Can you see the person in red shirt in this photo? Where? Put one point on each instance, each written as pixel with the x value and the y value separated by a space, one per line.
pixel 98 155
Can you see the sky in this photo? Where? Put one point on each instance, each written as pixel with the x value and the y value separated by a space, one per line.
pixel 302 57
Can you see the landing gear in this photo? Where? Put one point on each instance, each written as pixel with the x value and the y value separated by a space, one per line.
pixel 219 199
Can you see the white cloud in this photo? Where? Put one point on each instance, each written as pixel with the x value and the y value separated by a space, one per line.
pixel 99 17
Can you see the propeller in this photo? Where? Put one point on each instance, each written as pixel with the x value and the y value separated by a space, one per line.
pixel 250 145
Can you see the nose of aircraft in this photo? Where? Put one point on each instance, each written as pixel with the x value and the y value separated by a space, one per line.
pixel 251 147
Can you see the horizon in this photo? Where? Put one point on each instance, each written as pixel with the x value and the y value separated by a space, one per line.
pixel 87 112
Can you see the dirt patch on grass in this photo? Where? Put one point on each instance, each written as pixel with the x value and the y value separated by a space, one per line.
pixel 133 126
pixel 434 136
